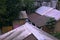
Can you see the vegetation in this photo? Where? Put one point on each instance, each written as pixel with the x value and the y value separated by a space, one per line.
pixel 29 5
pixel 9 10
pixel 51 24
pixel 59 0
pixel 2 11
pixel 57 35
pixel 13 8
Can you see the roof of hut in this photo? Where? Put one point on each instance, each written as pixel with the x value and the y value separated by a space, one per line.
pixel 49 12
pixel 27 32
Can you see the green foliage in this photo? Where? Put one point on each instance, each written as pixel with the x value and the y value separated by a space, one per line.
pixel 2 11
pixel 51 23
pixel 13 9
pixel 58 0
pixel 29 5
pixel 2 6
pixel 9 10
pixel 56 35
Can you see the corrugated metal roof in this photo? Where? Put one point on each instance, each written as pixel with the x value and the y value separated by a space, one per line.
pixel 24 31
pixel 49 12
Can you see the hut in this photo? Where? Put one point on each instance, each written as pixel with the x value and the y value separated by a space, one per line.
pixel 40 21
pixel 52 13
pixel 20 20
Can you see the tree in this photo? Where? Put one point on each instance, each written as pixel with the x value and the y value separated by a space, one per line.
pixel 50 24
pixel 2 7
pixel 12 10
pixel 2 11
pixel 29 5
pixel 57 35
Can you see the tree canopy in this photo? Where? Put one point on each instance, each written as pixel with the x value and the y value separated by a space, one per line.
pixel 9 10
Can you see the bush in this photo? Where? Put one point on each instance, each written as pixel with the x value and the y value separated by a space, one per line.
pixel 56 35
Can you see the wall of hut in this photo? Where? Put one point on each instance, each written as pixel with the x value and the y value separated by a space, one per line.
pixel 6 29
pixel 57 27
pixel 18 23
